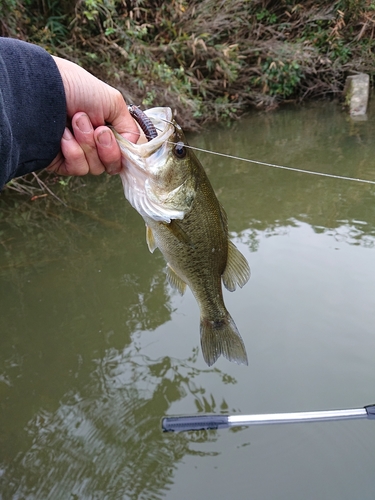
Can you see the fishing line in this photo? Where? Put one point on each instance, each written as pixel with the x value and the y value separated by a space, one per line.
pixel 282 167
pixel 274 165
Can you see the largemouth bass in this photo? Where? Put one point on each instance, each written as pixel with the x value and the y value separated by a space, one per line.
pixel 164 181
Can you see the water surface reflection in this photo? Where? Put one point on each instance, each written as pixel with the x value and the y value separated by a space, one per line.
pixel 95 347
pixel 103 440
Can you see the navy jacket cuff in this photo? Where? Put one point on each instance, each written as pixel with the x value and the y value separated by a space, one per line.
pixel 32 109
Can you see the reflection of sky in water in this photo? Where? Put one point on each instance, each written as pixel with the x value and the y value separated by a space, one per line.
pixel 353 234
pixel 105 440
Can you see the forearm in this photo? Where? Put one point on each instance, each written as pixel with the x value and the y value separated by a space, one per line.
pixel 32 109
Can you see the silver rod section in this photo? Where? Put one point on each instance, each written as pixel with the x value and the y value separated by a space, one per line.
pixel 286 418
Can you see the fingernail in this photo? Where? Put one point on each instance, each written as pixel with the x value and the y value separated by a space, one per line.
pixel 113 170
pixel 105 138
pixel 84 124
pixel 67 135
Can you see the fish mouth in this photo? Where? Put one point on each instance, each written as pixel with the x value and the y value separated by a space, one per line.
pixel 143 165
pixel 161 118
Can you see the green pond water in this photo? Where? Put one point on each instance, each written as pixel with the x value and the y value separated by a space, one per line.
pixel 95 347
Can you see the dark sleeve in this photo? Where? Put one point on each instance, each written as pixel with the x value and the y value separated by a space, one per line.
pixel 32 109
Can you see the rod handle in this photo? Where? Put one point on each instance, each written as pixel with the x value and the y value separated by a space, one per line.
pixel 194 423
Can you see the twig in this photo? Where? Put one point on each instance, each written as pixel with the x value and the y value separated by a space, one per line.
pixel 43 185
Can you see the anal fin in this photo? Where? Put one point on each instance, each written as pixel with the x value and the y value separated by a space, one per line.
pixel 237 270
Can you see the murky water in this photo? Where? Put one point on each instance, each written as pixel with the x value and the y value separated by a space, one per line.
pixel 95 348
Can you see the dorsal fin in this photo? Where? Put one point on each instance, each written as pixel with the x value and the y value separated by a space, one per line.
pixel 224 218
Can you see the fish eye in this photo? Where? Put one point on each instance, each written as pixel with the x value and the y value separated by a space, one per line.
pixel 180 150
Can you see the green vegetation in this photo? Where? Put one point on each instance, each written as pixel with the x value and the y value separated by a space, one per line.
pixel 206 59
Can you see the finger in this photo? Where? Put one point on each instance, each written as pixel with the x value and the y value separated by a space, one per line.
pixel 108 150
pixel 75 162
pixel 84 135
pixel 57 165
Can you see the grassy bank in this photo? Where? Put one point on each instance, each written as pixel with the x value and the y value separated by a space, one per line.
pixel 207 59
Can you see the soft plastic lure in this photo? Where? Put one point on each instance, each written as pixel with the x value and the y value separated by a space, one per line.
pixel 143 121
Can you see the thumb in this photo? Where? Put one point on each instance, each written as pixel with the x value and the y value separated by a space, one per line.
pixel 120 118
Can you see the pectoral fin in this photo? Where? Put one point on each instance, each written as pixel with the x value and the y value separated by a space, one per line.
pixel 151 243
pixel 179 233
pixel 175 281
pixel 237 270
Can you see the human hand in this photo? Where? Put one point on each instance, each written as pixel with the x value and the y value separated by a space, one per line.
pixel 91 103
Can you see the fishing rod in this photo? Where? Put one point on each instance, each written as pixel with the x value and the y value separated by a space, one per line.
pixel 205 422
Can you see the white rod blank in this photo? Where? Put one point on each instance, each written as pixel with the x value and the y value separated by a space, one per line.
pixel 286 418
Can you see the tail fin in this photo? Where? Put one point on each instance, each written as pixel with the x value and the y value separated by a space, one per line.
pixel 221 337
